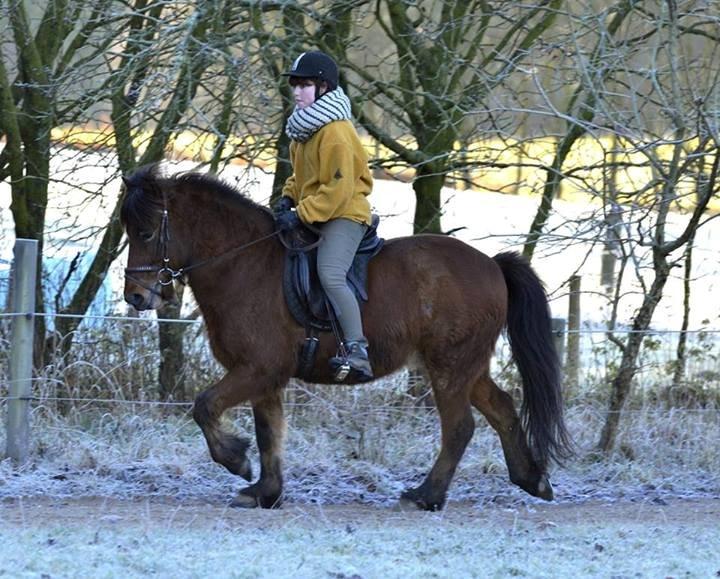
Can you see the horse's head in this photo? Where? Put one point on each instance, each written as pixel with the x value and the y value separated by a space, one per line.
pixel 155 257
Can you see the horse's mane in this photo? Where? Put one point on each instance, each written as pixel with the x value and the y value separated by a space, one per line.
pixel 146 190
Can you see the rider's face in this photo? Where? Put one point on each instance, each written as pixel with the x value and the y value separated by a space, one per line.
pixel 304 92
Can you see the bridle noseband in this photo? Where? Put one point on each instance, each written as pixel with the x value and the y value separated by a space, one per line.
pixel 166 275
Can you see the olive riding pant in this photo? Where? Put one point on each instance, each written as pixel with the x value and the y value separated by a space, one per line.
pixel 335 256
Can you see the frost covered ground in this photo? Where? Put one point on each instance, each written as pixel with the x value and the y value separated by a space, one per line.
pixel 134 493
pixel 152 537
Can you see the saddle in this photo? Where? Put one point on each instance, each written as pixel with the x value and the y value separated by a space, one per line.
pixel 304 294
pixel 305 297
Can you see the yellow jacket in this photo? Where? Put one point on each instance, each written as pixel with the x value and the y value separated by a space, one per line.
pixel 331 178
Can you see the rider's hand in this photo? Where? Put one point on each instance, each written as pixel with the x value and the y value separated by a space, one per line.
pixel 282 205
pixel 287 220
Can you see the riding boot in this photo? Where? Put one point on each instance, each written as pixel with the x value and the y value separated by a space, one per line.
pixel 357 360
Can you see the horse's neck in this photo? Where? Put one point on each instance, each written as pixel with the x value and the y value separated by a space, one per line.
pixel 232 275
pixel 217 228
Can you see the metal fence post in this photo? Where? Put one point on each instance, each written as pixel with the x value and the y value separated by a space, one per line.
pixel 24 278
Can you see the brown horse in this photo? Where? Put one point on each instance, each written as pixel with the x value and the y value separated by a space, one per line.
pixel 433 300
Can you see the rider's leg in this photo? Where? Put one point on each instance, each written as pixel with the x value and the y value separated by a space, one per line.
pixel 335 255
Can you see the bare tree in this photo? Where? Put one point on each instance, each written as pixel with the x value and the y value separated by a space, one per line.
pixel 579 112
pixel 45 55
pixel 648 82
pixel 423 70
pixel 150 68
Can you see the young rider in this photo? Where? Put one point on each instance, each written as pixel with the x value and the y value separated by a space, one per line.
pixel 328 188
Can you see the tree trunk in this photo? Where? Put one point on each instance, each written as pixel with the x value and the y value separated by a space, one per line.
pixel 29 204
pixel 681 352
pixel 628 366
pixel 91 282
pixel 681 361
pixel 427 185
pixel 283 167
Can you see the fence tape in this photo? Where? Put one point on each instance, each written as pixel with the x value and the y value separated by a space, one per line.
pixel 325 404
pixel 650 332
pixel 94 317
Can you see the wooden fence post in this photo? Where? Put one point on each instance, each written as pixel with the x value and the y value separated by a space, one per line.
pixel 572 367
pixel 24 278
pixel 558 332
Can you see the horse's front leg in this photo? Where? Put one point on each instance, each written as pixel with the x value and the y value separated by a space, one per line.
pixel 238 385
pixel 270 432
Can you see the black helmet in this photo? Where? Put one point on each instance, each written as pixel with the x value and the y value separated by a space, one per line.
pixel 315 64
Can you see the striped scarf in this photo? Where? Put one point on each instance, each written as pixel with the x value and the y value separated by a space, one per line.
pixel 304 123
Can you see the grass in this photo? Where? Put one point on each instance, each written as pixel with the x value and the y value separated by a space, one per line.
pixel 430 551
pixel 96 431
pixel 137 540
pixel 347 446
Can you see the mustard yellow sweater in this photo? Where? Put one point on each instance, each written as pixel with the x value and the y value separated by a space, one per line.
pixel 331 178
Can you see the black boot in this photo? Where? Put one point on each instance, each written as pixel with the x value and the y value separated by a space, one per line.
pixel 356 367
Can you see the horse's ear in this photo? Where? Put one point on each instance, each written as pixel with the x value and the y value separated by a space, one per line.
pixel 125 180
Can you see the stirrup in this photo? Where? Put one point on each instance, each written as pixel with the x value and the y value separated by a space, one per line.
pixel 340 367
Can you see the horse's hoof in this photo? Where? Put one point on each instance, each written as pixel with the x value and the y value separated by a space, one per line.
pixel 405 505
pixel 257 495
pixel 541 489
pixel 242 501
pixel 413 500
pixel 544 489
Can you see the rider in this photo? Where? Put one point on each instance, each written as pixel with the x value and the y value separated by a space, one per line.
pixel 328 188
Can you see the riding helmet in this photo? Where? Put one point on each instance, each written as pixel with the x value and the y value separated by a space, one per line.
pixel 315 64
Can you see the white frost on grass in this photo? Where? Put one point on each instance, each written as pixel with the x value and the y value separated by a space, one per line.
pixel 431 547
pixel 353 450
pixel 359 452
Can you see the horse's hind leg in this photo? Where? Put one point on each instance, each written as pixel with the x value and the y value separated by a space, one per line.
pixel 270 431
pixel 497 406
pixel 457 426
pixel 229 450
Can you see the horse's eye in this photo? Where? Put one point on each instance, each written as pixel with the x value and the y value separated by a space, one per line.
pixel 146 235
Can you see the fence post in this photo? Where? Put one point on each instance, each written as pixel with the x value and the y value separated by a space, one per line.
pixel 558 332
pixel 572 367
pixel 24 277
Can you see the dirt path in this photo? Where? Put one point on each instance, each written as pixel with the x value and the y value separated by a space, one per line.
pixel 167 512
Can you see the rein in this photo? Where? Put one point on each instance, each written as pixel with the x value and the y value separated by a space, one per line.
pixel 166 275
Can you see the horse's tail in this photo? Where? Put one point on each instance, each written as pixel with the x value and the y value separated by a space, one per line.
pixel 530 334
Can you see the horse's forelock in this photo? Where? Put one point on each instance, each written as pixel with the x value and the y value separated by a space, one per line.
pixel 143 197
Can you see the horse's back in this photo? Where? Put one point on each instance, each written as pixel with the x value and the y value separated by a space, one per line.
pixel 436 287
pixel 441 259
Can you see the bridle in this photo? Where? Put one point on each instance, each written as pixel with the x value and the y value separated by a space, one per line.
pixel 166 275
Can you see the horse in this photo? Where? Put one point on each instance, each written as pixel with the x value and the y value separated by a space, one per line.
pixel 433 300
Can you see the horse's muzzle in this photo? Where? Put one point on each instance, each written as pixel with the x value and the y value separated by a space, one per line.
pixel 137 300
pixel 142 301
